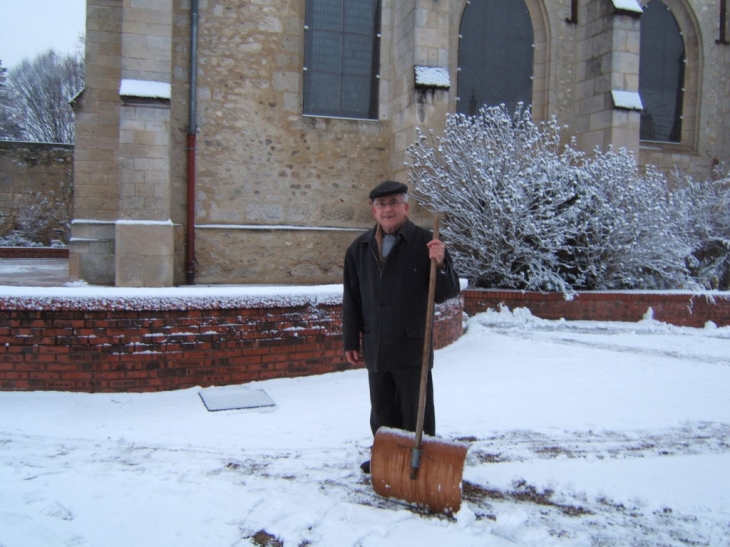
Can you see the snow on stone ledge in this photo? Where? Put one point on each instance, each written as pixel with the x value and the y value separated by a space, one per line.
pixel 144 88
pixel 626 100
pixel 627 6
pixel 433 76
pixel 167 222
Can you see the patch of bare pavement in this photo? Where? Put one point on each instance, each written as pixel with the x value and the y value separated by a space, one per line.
pixel 34 272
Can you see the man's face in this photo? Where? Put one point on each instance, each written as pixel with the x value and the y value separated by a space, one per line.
pixel 390 212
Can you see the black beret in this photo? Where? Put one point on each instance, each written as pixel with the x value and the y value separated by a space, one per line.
pixel 388 188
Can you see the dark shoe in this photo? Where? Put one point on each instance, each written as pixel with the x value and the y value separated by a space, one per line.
pixel 365 466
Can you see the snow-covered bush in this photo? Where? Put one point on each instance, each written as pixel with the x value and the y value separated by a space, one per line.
pixel 632 230
pixel 41 219
pixel 508 194
pixel 523 211
pixel 709 205
pixel 16 239
pixel 41 216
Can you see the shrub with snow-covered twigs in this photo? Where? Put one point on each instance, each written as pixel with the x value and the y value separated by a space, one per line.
pixel 41 219
pixel 709 202
pixel 523 211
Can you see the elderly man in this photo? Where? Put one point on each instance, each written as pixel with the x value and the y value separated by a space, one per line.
pixel 386 279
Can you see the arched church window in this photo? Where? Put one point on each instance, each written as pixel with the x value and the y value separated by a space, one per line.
pixel 661 74
pixel 341 58
pixel 495 55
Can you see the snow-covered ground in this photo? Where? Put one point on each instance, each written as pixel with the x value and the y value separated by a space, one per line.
pixel 580 434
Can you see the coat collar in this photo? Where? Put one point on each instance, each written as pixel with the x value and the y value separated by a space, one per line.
pixel 406 231
pixel 375 236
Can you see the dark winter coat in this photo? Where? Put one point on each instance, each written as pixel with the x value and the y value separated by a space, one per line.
pixel 387 302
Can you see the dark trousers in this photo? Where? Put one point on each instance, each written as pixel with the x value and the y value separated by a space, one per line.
pixel 394 400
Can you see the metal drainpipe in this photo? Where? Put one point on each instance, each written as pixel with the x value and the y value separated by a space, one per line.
pixel 192 130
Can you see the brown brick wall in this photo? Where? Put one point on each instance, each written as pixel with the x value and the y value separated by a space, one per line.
pixel 102 345
pixel 683 309
pixel 33 252
pixel 112 345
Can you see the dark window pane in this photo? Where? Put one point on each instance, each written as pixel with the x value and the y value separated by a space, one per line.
pixel 360 17
pixel 357 91
pixel 322 93
pixel 324 51
pixel 358 57
pixel 341 56
pixel 324 14
pixel 661 74
pixel 495 55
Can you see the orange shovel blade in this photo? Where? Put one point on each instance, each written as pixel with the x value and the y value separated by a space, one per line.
pixel 438 484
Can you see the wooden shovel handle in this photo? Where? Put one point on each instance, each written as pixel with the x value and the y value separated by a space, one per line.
pixel 425 361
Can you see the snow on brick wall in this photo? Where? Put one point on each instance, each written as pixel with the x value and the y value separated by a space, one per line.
pixel 677 308
pixel 151 344
pixel 136 345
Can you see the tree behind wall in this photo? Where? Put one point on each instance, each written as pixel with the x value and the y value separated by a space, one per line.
pixel 10 128
pixel 40 91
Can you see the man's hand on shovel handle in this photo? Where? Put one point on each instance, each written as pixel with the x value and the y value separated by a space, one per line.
pixel 437 250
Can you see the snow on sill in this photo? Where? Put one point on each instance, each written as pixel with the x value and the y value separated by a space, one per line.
pixel 276 227
pixel 144 88
pixel 627 100
pixel 76 95
pixel 167 222
pixel 433 76
pixel 627 5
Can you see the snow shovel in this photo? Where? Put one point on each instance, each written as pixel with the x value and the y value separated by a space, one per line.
pixel 425 471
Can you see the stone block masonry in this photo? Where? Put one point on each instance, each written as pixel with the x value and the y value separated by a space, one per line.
pixel 144 254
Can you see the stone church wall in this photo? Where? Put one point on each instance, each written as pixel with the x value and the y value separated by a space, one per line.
pixel 279 194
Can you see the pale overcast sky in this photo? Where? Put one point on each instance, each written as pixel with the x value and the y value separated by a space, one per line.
pixel 31 27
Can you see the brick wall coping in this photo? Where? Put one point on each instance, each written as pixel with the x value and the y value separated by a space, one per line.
pixel 34 144
pixel 683 308
pixel 236 296
pixel 174 298
pixel 600 295
pixel 33 252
